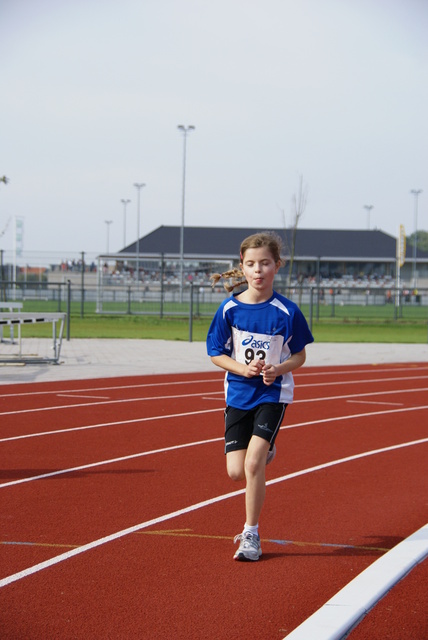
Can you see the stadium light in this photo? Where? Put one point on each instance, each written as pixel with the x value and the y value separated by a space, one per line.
pixel 108 223
pixel 185 131
pixel 416 193
pixel 125 203
pixel 138 186
pixel 368 208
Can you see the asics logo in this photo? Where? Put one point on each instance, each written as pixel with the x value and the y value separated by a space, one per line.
pixel 256 344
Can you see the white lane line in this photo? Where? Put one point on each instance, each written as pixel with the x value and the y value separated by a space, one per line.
pixel 364 381
pixel 339 615
pixel 302 373
pixel 102 463
pixel 328 370
pixel 351 416
pixel 169 516
pixel 202 395
pixel 70 395
pixel 361 395
pixel 391 404
pixel 111 424
pixel 147 385
pixel 75 393
pixel 114 536
pixel 217 379
pixel 104 402
pixel 203 411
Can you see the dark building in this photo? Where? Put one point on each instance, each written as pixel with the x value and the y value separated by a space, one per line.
pixel 327 253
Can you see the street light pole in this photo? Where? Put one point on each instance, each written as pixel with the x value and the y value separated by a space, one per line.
pixel 108 223
pixel 125 203
pixel 185 131
pixel 416 193
pixel 368 208
pixel 138 186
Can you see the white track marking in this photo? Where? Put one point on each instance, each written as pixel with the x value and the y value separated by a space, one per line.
pixel 356 456
pixel 104 402
pixel 201 395
pixel 169 516
pixel 192 444
pixel 390 404
pixel 72 395
pixel 118 387
pixel 203 411
pixel 351 416
pixel 361 395
pixel 374 369
pixel 299 374
pixel 111 424
pixel 101 463
pixel 364 381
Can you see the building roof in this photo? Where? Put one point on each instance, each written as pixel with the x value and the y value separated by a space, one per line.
pixel 311 244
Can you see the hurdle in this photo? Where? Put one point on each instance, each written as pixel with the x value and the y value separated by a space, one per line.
pixel 11 307
pixel 13 319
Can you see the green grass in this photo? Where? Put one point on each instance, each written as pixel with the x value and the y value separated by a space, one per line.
pixel 343 323
pixel 344 330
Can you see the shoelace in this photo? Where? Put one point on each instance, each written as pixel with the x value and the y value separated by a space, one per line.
pixel 248 538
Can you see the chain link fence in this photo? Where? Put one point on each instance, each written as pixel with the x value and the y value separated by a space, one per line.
pixel 122 285
pixel 200 299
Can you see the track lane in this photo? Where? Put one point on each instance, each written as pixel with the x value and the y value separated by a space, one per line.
pixel 100 492
pixel 156 386
pixel 292 564
pixel 46 414
pixel 139 432
pixel 149 472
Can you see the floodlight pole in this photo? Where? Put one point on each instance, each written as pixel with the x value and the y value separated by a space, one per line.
pixel 368 208
pixel 108 223
pixel 416 193
pixel 138 186
pixel 125 203
pixel 185 131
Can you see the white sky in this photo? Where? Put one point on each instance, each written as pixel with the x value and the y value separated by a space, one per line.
pixel 93 91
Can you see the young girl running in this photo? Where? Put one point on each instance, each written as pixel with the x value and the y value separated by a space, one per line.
pixel 258 337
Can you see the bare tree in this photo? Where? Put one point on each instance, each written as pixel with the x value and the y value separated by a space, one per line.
pixel 4 229
pixel 5 180
pixel 298 206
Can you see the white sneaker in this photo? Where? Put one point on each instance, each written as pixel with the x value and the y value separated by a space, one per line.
pixel 271 454
pixel 249 548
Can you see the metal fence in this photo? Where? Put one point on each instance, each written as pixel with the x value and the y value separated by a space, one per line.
pixel 197 300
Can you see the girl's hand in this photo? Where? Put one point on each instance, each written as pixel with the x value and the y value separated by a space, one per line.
pixel 269 374
pixel 253 369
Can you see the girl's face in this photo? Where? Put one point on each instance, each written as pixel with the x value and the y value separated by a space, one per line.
pixel 259 269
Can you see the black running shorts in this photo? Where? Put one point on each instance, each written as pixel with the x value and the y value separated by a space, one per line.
pixel 263 421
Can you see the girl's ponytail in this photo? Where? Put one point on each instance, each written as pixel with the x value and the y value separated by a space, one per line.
pixel 234 278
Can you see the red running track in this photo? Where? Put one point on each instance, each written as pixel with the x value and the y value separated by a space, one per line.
pixel 118 517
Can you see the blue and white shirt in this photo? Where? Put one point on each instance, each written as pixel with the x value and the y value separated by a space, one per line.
pixel 272 331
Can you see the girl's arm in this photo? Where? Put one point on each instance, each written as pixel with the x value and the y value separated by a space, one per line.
pixel 246 370
pixel 272 371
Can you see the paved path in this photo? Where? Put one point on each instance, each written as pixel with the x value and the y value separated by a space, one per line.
pixel 92 358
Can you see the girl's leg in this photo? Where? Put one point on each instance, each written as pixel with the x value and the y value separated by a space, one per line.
pixel 255 465
pixel 235 461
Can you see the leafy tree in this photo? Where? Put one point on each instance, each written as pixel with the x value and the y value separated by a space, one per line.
pixel 422 240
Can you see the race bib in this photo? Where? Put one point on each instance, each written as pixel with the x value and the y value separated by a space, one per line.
pixel 250 346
